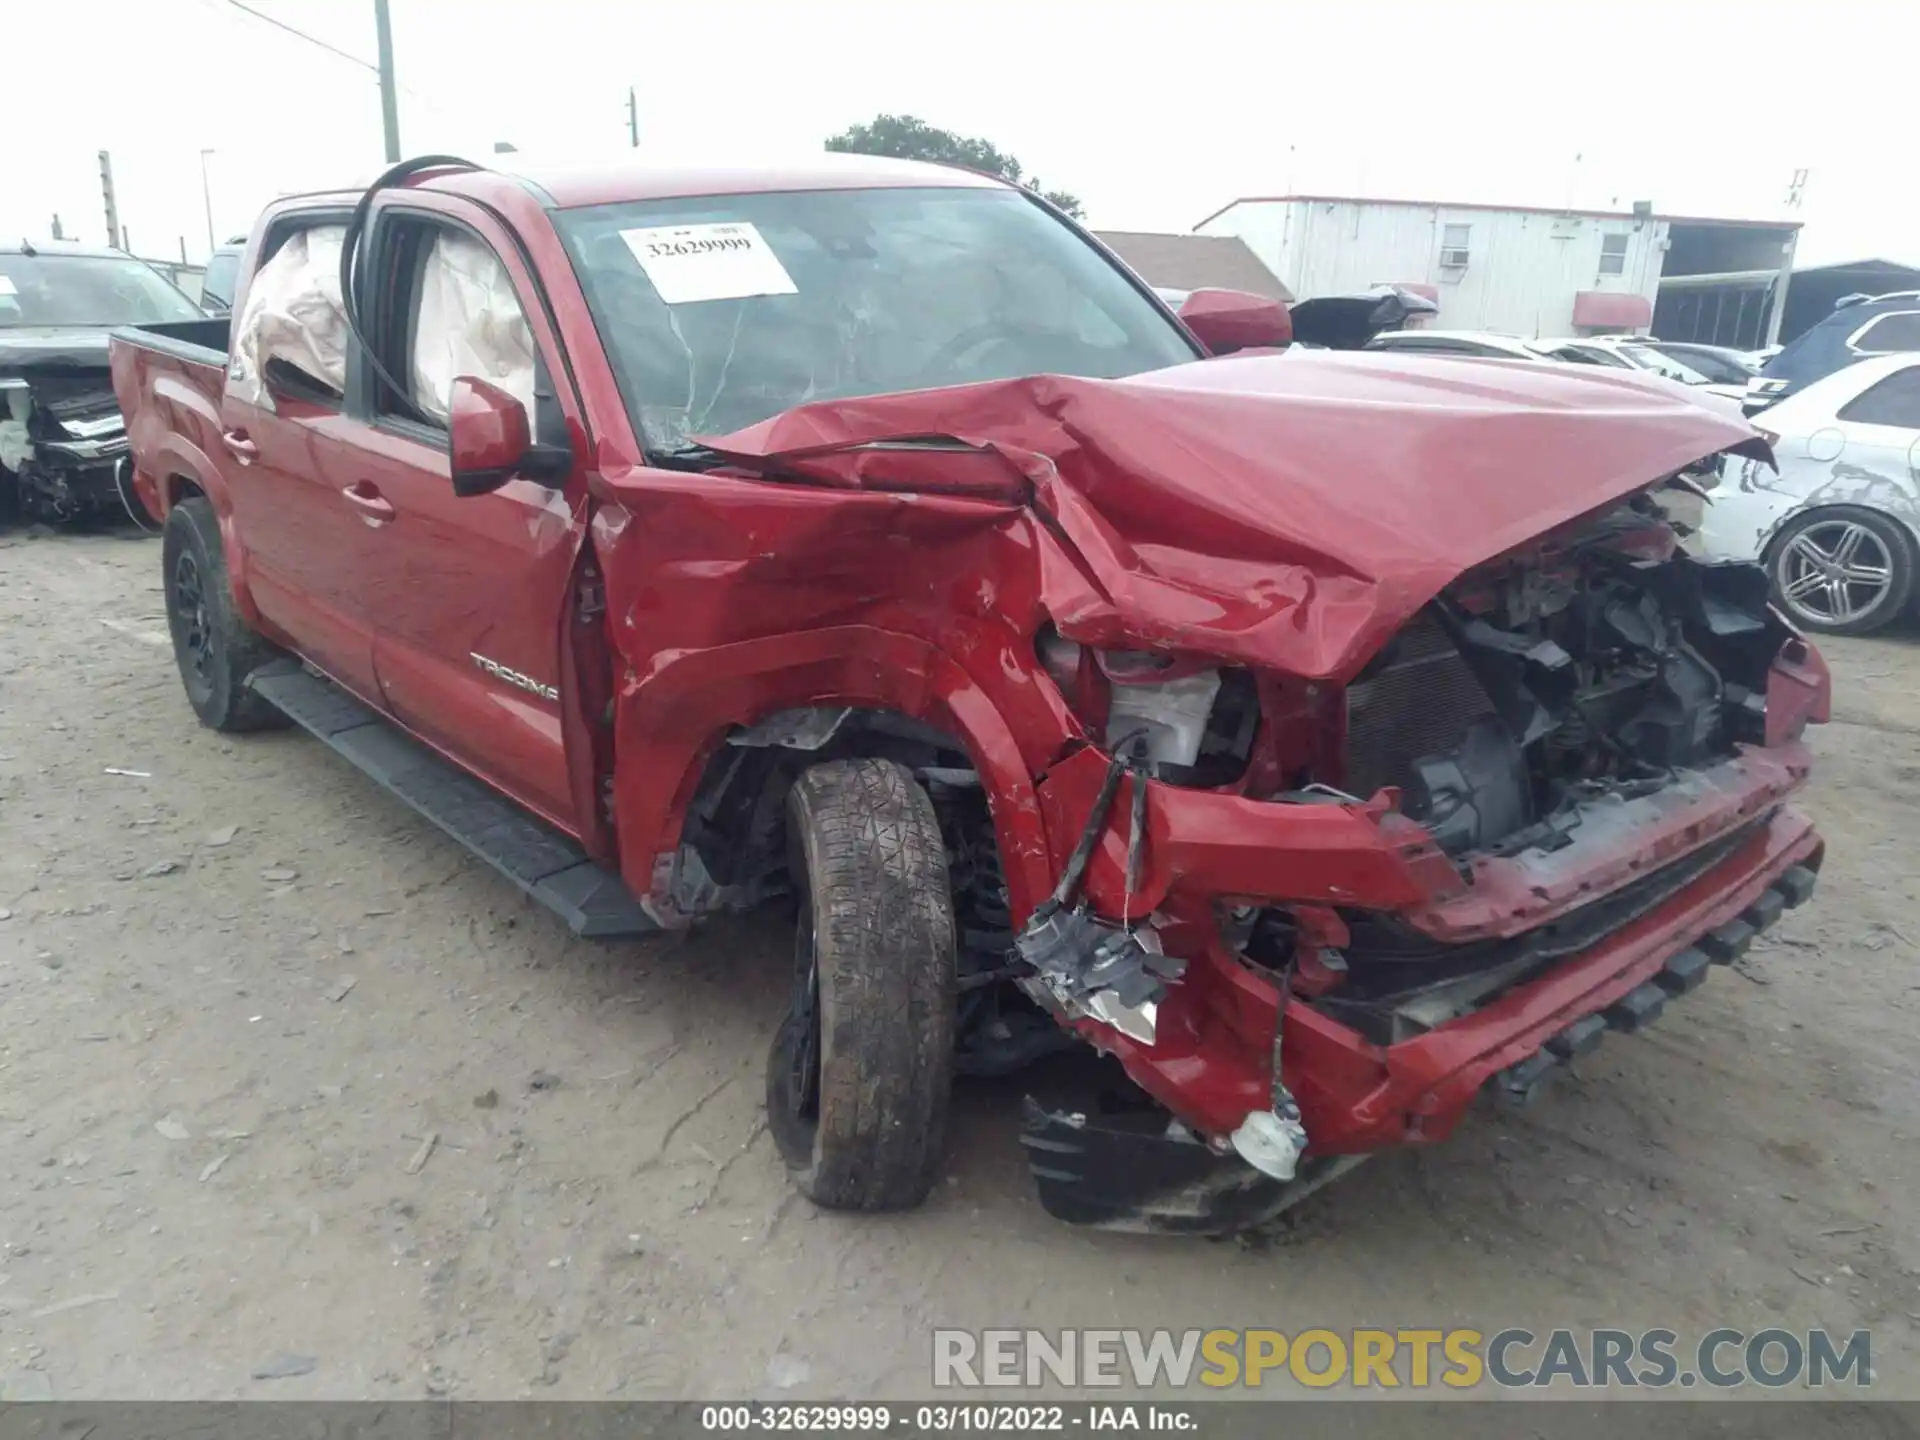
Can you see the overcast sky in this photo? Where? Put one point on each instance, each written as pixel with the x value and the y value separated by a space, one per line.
pixel 1155 113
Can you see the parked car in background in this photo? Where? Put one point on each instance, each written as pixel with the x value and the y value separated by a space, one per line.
pixel 1636 352
pixel 1487 344
pixel 1718 363
pixel 1610 352
pixel 1859 327
pixel 1838 527
pixel 223 270
pixel 61 435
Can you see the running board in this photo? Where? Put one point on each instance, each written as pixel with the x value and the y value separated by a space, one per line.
pixel 549 866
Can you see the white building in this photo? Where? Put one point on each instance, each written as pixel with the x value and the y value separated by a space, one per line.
pixel 1522 271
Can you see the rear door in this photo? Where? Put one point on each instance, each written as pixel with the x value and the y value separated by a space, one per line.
pixel 1881 426
pixel 468 599
pixel 287 445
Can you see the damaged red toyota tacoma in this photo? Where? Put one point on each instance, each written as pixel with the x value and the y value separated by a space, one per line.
pixel 1326 737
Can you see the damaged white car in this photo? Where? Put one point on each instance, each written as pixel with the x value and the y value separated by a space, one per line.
pixel 1838 527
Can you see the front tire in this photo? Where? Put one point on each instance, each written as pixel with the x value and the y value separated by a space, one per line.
pixel 1842 570
pixel 213 646
pixel 861 1071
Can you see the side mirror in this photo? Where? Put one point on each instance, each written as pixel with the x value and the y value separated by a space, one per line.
pixel 489 441
pixel 1228 320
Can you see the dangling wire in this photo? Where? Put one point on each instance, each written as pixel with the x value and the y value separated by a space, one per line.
pixel 1136 842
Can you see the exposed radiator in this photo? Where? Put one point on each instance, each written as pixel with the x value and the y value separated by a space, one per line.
pixel 1418 703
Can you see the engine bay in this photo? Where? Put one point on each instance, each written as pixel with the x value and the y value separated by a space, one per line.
pixel 1596 668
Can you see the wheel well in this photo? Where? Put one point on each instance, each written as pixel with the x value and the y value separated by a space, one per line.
pixel 736 823
pixel 179 488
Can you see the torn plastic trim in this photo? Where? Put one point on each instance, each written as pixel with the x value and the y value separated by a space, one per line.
pixel 805 728
pixel 1085 966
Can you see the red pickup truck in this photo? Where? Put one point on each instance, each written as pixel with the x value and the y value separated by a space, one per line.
pixel 1326 737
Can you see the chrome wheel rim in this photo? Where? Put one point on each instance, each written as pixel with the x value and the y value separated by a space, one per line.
pixel 1835 572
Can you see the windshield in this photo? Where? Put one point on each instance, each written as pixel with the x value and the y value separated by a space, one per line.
pixel 87 290
pixel 1648 358
pixel 718 312
pixel 1719 369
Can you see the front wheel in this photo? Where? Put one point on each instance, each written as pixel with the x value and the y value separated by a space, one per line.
pixel 858 1082
pixel 212 645
pixel 1843 570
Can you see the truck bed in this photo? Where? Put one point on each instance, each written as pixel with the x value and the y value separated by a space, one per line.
pixel 204 342
pixel 169 380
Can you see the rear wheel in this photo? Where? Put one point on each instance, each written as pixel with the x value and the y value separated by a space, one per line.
pixel 858 1081
pixel 1843 570
pixel 212 645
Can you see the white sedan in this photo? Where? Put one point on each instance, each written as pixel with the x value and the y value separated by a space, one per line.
pixel 1838 527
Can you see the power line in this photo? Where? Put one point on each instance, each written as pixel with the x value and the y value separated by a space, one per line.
pixel 331 49
pixel 310 39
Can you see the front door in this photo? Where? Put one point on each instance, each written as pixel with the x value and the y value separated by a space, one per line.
pixel 468 599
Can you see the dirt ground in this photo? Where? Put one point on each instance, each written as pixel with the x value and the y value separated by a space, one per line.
pixel 283 1073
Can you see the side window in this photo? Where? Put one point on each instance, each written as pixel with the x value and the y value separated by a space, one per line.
pixel 451 310
pixel 1894 400
pixel 1455 245
pixel 1888 334
pixel 1613 254
pixel 290 341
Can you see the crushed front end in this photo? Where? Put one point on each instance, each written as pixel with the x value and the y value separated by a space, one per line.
pixel 1315 920
pixel 62 441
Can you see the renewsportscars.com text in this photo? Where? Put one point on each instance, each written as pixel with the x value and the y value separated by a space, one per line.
pixel 1364 1359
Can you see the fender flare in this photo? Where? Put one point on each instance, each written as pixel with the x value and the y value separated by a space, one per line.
pixel 669 722
pixel 167 460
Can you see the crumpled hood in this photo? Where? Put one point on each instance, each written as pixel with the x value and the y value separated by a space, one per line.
pixel 1288 512
pixel 25 346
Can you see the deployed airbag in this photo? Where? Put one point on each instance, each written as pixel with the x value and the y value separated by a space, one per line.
pixel 470 323
pixel 293 315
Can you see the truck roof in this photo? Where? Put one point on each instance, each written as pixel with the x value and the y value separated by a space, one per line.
pixel 566 184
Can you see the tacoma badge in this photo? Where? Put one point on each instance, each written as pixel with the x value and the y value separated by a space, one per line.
pixel 514 677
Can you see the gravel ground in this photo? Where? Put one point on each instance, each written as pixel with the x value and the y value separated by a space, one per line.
pixel 289 1084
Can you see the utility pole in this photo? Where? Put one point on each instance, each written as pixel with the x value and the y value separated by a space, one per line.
pixel 106 194
pixel 206 197
pixel 389 101
pixel 633 118
pixel 57 232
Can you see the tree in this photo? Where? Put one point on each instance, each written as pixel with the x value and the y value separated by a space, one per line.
pixel 907 137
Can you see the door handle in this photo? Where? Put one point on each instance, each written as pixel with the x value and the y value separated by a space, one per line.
pixel 373 507
pixel 244 450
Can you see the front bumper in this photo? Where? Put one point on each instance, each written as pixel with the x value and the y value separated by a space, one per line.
pixel 1127 1174
pixel 1209 1058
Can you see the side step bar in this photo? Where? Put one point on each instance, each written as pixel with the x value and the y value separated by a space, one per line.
pixel 548 865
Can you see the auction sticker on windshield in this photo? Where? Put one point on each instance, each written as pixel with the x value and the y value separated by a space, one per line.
pixel 690 263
